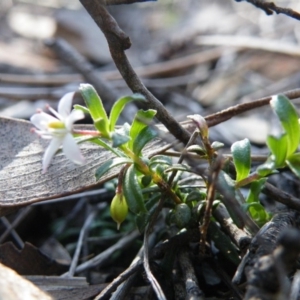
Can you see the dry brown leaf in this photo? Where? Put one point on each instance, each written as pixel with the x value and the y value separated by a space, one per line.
pixel 21 178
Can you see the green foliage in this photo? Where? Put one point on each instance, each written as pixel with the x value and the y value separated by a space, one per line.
pixel 108 165
pixel 144 181
pixel 119 106
pixel 288 117
pixel 242 158
pixel 257 211
pixel 146 135
pixel 133 191
pixel 142 119
pixel 95 106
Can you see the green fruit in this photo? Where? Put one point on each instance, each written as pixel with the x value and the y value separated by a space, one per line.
pixel 118 209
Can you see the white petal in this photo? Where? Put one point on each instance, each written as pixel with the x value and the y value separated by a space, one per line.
pixel 41 120
pixel 65 105
pixel 73 117
pixel 71 150
pixel 49 153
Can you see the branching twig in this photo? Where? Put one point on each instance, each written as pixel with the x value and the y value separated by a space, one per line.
pixel 193 292
pixel 232 111
pixel 118 42
pixel 82 234
pixel 269 8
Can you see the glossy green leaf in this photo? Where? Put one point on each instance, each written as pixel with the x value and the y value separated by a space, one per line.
pixel 278 147
pixel 101 126
pixel 160 159
pixel 119 139
pixel 146 180
pixel 255 190
pixel 267 168
pixel 227 185
pixel 146 135
pixel 217 145
pixel 105 167
pixel 133 192
pixel 241 153
pixel 94 105
pixel 119 106
pixel 82 108
pixel 182 214
pixel 141 221
pixel 294 163
pixel 257 212
pixel 288 117
pixel 197 149
pixel 142 119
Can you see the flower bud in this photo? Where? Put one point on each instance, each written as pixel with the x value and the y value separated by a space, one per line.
pixel 118 209
pixel 201 124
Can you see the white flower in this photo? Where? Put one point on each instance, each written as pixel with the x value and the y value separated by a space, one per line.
pixel 59 130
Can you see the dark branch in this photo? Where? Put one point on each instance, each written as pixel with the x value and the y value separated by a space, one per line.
pixel 269 8
pixel 118 42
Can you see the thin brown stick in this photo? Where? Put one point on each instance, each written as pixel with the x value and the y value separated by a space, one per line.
pixel 232 111
pixel 118 42
pixel 270 7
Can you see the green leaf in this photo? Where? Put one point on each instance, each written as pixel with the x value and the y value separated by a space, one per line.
pixel 95 105
pixel 267 168
pixel 217 145
pixel 119 139
pixel 288 117
pixel 119 106
pixel 182 214
pixel 107 146
pixel 104 168
pixel 255 189
pixel 161 160
pixel 101 126
pixel 278 147
pixel 133 192
pixel 241 153
pixel 142 220
pixel 257 212
pixel 294 163
pixel 225 183
pixel 142 119
pixel 82 108
pixel 144 136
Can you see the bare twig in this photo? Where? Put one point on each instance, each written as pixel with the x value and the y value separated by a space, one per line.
pixel 280 196
pixel 159 292
pixel 213 177
pixel 132 269
pixel 270 7
pixel 23 213
pixel 232 111
pixel 193 291
pixel 118 42
pixel 13 233
pixel 237 235
pixel 82 234
pixel 103 256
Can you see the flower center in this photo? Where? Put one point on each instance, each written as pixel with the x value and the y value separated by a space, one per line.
pixel 56 125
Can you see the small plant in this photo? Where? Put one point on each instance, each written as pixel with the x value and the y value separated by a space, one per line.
pixel 143 181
